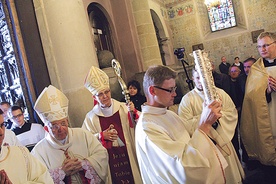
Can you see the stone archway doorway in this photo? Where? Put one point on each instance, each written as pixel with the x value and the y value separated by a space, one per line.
pixel 160 35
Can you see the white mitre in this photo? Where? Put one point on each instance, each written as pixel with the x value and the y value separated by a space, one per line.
pixel 96 80
pixel 51 105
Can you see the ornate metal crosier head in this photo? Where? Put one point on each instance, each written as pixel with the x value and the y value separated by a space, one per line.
pixel 118 71
pixel 204 69
pixel 117 67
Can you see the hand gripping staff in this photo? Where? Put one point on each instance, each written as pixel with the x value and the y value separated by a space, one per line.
pixel 117 69
pixel 204 69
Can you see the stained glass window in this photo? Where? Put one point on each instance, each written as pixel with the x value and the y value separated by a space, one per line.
pixel 221 14
pixel 10 87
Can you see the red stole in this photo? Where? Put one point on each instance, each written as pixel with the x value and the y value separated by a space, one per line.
pixel 119 163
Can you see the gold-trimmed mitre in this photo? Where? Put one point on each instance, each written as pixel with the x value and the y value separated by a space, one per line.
pixel 51 105
pixel 96 80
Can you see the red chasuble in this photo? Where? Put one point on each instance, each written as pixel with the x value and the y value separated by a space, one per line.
pixel 119 163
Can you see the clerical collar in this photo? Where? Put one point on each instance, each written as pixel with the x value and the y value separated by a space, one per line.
pixel 107 111
pixel 269 62
pixel 15 124
pixel 63 141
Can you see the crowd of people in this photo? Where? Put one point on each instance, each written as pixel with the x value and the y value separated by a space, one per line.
pixel 142 141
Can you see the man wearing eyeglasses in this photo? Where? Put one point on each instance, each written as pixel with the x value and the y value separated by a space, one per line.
pixel 166 152
pixel 258 121
pixel 27 133
pixel 5 106
pixel 190 110
pixel 17 165
pixel 72 155
pixel 110 122
pixel 235 90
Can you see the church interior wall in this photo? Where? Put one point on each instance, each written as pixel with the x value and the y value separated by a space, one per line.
pixel 68 49
pixel 65 49
pixel 67 38
pixel 167 44
pixel 125 34
pixel 146 33
pixel 189 25
pixel 128 44
pixel 32 42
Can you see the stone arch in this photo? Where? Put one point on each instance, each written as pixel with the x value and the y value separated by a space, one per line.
pixel 101 25
pixel 160 36
pixel 103 38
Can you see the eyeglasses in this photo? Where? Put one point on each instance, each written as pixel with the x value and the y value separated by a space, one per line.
pixel 100 95
pixel 235 71
pixel 3 125
pixel 264 45
pixel 58 125
pixel 17 116
pixel 172 90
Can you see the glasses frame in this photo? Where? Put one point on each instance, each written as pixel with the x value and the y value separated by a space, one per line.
pixel 4 124
pixel 17 116
pixel 264 45
pixel 101 94
pixel 57 126
pixel 235 71
pixel 167 90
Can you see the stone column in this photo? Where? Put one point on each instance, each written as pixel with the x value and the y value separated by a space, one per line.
pixel 67 41
pixel 69 50
pixel 146 33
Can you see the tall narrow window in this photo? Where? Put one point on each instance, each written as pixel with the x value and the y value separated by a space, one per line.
pixel 221 14
pixel 10 87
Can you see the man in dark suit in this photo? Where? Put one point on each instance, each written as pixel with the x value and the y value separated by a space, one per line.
pixel 224 66
pixel 221 80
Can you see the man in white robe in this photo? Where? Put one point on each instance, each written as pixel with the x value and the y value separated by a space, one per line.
pixel 17 165
pixel 190 109
pixel 109 122
pixel 166 152
pixel 72 155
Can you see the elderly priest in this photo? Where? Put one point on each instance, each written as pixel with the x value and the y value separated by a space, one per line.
pixel 72 155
